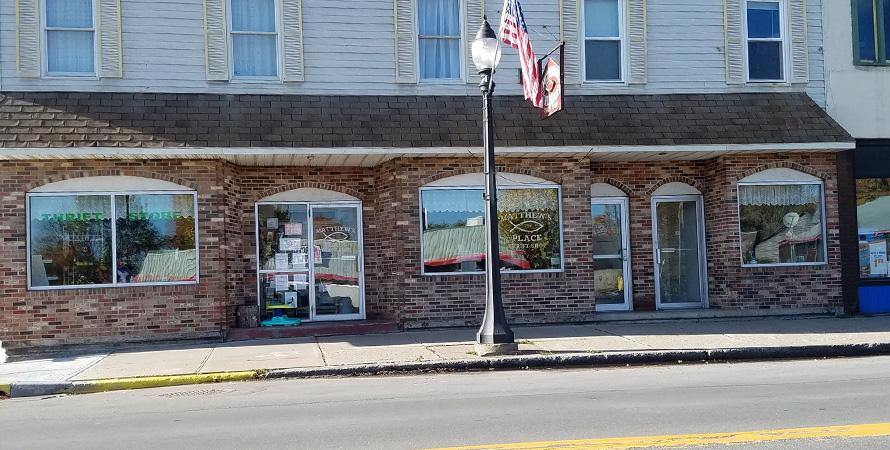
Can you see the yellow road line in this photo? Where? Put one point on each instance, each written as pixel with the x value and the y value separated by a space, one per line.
pixel 847 431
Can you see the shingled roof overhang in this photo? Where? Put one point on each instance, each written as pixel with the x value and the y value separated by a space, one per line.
pixel 366 130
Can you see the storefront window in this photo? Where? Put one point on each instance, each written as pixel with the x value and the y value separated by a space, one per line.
pixel 873 218
pixel 74 241
pixel 781 224
pixel 155 238
pixel 71 240
pixel 454 231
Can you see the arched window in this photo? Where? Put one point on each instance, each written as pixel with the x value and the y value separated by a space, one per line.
pixel 781 219
pixel 111 231
pixel 453 232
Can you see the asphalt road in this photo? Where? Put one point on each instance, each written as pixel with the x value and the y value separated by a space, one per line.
pixel 469 409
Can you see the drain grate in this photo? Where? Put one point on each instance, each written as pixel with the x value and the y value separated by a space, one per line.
pixel 196 393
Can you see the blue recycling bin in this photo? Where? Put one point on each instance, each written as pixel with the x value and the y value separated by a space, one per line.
pixel 874 299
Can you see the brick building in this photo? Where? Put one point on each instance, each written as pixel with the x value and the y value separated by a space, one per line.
pixel 61 144
pixel 162 169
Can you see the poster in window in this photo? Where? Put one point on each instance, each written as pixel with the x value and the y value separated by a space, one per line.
pixel 272 223
pixel 293 229
pixel 877 256
pixel 281 261
pixel 289 244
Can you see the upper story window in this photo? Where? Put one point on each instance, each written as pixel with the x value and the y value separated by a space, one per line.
pixel 439 39
pixel 871 31
pixel 766 35
pixel 603 40
pixel 254 38
pixel 70 37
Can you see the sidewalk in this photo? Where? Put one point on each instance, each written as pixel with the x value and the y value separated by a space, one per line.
pixel 590 344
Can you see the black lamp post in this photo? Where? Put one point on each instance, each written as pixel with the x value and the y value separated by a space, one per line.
pixel 494 336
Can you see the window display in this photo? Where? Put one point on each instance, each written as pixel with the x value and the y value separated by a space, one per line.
pixel 873 218
pixel 453 231
pixel 74 241
pixel 781 224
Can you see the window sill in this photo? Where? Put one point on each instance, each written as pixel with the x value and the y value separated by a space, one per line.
pixel 503 272
pixel 254 80
pixel 111 286
pixel 441 82
pixel 63 76
pixel 783 265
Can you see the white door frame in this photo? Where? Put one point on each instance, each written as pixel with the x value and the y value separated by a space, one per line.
pixel 623 205
pixel 361 261
pixel 311 238
pixel 702 254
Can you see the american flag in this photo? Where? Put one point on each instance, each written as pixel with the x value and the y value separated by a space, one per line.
pixel 514 33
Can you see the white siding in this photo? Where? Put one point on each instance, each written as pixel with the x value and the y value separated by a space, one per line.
pixel 349 49
pixel 857 95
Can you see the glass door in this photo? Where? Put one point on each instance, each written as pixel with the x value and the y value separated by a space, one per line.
pixel 611 268
pixel 337 262
pixel 680 271
pixel 283 270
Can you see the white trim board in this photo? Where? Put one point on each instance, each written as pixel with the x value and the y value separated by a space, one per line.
pixel 371 156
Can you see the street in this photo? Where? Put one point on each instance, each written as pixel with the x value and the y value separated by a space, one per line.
pixel 447 410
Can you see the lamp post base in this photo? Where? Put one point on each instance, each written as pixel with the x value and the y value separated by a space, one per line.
pixel 496 349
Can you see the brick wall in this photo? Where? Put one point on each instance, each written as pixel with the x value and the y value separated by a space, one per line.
pixel 93 316
pixel 395 289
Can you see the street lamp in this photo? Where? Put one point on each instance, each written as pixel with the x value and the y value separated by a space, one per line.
pixel 495 336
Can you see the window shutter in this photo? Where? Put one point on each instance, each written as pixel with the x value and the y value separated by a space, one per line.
pixel 406 56
pixel 734 33
pixel 799 60
pixel 473 12
pixel 569 26
pixel 27 14
pixel 110 56
pixel 636 41
pixel 292 35
pixel 216 40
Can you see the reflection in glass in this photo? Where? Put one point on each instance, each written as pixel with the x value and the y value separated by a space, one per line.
pixel 606 229
pixel 608 281
pixel 873 219
pixel 70 239
pixel 336 257
pixel 781 224
pixel 679 265
pixel 155 238
pixel 454 231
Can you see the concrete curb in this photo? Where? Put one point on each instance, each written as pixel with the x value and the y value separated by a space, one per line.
pixel 36 389
pixel 31 389
pixel 591 360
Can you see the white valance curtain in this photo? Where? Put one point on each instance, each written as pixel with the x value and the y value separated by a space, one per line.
pixel 780 195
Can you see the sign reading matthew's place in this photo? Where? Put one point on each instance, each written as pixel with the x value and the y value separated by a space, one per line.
pixel 528 229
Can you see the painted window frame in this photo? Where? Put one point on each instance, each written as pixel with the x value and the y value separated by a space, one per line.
pixel 878 25
pixel 558 188
pixel 461 57
pixel 783 39
pixel 279 42
pixel 622 44
pixel 111 195
pixel 821 185
pixel 44 48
